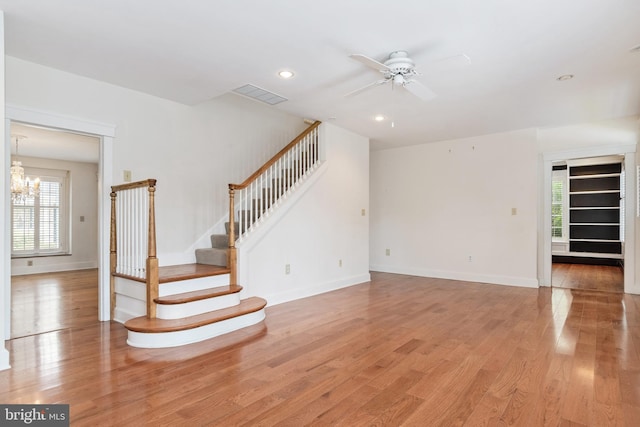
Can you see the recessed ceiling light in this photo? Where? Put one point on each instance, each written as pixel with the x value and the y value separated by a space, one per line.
pixel 286 74
pixel 635 49
pixel 379 118
pixel 565 77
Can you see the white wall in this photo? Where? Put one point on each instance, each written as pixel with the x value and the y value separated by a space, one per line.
pixel 84 235
pixel 436 205
pixel 321 228
pixel 193 151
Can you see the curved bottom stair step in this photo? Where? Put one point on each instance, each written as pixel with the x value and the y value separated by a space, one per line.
pixel 159 333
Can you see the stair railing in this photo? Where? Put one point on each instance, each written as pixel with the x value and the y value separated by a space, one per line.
pixel 133 238
pixel 260 193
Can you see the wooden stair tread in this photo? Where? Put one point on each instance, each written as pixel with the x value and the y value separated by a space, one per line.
pixel 174 273
pixel 145 325
pixel 201 294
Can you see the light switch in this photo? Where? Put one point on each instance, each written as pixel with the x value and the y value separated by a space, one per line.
pixel 514 211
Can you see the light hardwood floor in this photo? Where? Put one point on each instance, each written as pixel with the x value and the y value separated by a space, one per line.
pixel 52 301
pixel 400 350
pixel 588 277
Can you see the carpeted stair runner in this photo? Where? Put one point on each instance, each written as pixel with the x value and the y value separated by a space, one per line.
pixel 217 253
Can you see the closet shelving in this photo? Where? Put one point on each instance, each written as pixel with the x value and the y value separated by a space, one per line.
pixel 594 210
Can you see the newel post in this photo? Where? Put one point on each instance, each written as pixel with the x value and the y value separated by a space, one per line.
pixel 113 257
pixel 152 261
pixel 232 255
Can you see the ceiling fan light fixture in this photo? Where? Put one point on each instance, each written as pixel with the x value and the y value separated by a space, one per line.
pixel 398 79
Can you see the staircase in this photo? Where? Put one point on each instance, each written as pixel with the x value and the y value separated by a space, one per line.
pixel 195 303
pixel 177 305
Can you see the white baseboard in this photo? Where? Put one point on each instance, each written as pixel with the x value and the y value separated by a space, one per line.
pixel 121 316
pixel 317 289
pixel 523 282
pixel 52 268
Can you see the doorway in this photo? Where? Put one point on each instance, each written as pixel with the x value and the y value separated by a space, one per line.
pixel 54 233
pixel 105 133
pixel 587 224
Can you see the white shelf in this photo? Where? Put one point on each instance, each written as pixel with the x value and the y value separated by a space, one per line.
pixel 591 208
pixel 602 175
pixel 595 240
pixel 594 192
pixel 594 223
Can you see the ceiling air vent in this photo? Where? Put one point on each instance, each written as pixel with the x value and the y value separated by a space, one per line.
pixel 255 92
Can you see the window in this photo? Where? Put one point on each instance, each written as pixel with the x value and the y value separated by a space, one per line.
pixel 559 205
pixel 39 225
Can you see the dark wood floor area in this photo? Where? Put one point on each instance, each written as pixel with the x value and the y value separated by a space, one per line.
pixel 399 350
pixel 604 278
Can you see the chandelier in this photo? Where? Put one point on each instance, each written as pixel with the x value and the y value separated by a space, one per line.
pixel 22 188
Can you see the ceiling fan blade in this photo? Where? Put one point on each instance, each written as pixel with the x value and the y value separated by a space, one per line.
pixel 419 90
pixel 369 86
pixel 371 63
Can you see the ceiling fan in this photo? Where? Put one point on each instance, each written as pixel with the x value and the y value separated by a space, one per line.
pixel 399 69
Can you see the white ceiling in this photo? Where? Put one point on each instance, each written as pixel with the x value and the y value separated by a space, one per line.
pixel 191 51
pixel 49 143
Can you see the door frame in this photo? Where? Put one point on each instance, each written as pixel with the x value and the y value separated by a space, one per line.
pixel 629 153
pixel 106 134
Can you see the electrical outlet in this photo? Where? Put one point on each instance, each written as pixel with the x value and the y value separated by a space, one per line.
pixel 470 259
pixel 514 211
pixel 364 212
pixel 387 252
pixel 339 263
pixel 126 176
pixel 287 269
pixel 30 263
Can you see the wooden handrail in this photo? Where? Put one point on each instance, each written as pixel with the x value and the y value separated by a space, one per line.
pixel 274 158
pixel 137 184
pixel 232 255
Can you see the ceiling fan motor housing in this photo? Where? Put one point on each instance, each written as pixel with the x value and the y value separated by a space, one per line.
pixel 400 65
